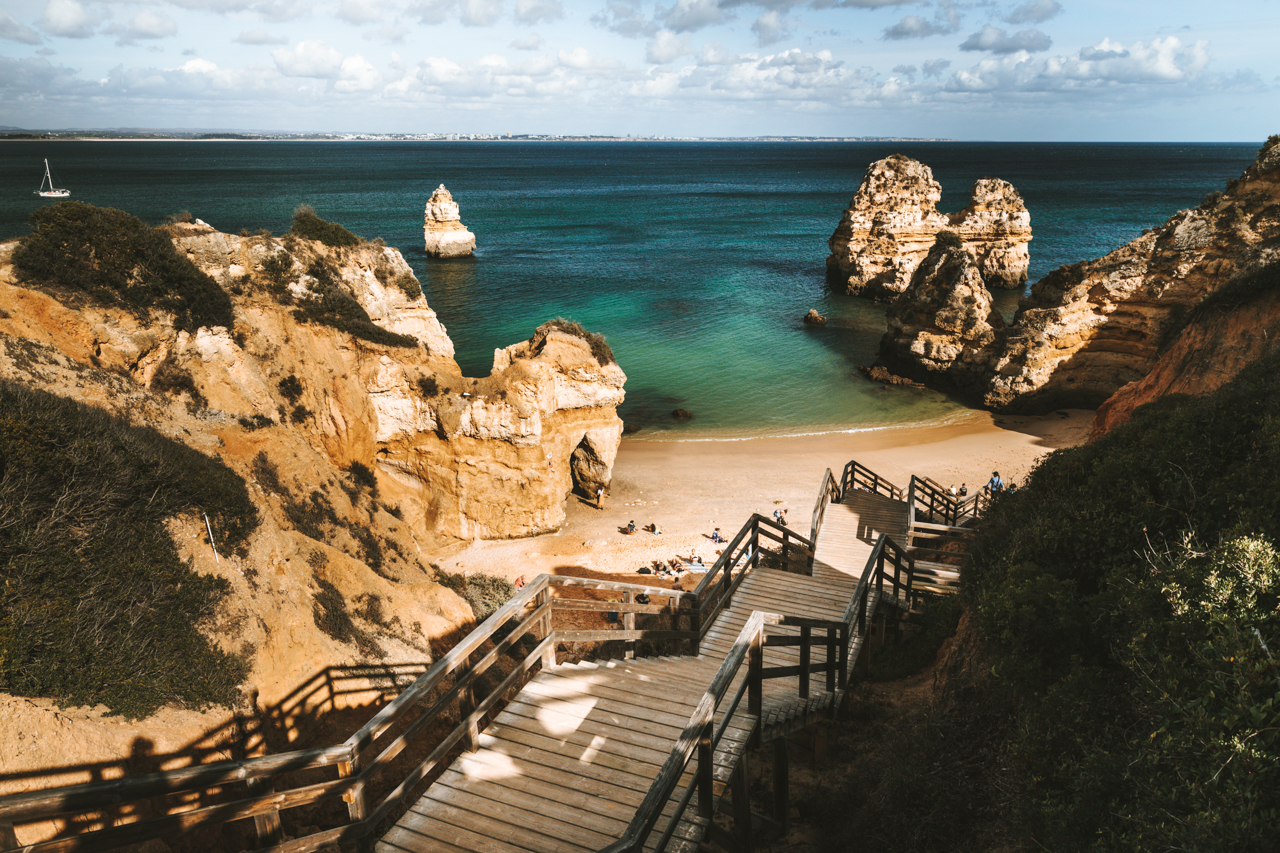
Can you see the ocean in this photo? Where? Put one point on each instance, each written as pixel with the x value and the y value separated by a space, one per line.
pixel 695 260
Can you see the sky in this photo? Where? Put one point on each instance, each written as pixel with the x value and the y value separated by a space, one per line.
pixel 1070 70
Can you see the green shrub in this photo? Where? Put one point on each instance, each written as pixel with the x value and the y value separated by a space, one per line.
pixel 95 604
pixel 329 612
pixel 428 387
pixel 599 347
pixel 485 593
pixel 118 259
pixel 333 306
pixel 1130 590
pixel 309 226
pixel 169 378
pixel 408 285
pixel 364 478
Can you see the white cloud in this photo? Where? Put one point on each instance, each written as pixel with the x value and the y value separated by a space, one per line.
pixel 666 47
pixel 309 59
pixel 945 21
pixel 625 18
pixel 12 30
pixel 259 37
pixel 770 28
pixel 392 33
pixel 908 71
pixel 935 67
pixel 1161 61
pixel 690 15
pixel 67 18
pixel 533 41
pixel 538 11
pixel 357 74
pixel 995 40
pixel 1034 12
pixel 147 24
pixel 360 11
pixel 472 13
pixel 581 59
pixel 481 13
pixel 279 11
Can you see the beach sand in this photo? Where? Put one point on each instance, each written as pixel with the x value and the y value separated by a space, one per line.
pixel 688 488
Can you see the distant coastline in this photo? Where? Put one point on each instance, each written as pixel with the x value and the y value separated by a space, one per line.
pixel 23 135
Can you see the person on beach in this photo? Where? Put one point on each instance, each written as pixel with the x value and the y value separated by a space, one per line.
pixel 600 498
pixel 964 490
pixel 631 527
pixel 716 537
pixel 995 485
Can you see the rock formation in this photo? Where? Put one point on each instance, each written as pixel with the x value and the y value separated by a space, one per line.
pixel 1089 328
pixel 1222 338
pixel 291 404
pixel 446 236
pixel 893 219
pixel 943 327
pixel 813 318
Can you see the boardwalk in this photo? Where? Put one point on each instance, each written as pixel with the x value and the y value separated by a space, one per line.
pixel 565 765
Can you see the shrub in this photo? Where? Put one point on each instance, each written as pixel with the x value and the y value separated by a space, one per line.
pixel 277 268
pixel 329 612
pixel 96 606
pixel 485 593
pixel 428 387
pixel 309 226
pixel 333 306
pixel 599 347
pixel 118 259
pixel 409 285
pixel 169 378
pixel 364 478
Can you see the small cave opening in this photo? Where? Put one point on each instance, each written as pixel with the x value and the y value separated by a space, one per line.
pixel 589 472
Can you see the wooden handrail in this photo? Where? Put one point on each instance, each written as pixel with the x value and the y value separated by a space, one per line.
pixel 858 476
pixel 698 735
pixel 829 491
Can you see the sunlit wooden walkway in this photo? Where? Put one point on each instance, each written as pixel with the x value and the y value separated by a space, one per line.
pixel 566 764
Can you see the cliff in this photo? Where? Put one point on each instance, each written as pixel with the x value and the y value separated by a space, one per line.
pixel 442 228
pixel 335 396
pixel 1089 328
pixel 892 222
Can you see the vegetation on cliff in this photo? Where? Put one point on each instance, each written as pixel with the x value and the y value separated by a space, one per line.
pixel 120 260
pixel 600 348
pixel 96 606
pixel 1128 595
pixel 309 226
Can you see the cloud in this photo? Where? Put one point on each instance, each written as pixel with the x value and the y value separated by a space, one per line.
pixel 147 24
pixel 533 41
pixel 945 21
pixel 858 4
pixel 391 33
pixel 309 59
pixel 908 71
pixel 279 11
pixel 471 13
pixel 770 28
pixel 536 11
pixel 360 11
pixel 67 18
pixel 995 40
pixel 1108 64
pixel 13 31
pixel 686 16
pixel 935 67
pixel 1034 12
pixel 259 37
pixel 666 47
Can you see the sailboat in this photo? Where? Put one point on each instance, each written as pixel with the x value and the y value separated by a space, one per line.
pixel 52 191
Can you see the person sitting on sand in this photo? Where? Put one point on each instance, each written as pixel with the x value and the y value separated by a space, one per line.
pixel 631 527
pixel 655 529
pixel 964 490
pixel 716 537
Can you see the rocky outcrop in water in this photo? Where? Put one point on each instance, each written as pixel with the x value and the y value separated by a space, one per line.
pixel 893 219
pixel 943 328
pixel 1090 328
pixel 445 235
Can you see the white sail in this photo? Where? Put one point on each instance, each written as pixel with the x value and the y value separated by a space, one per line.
pixel 51 191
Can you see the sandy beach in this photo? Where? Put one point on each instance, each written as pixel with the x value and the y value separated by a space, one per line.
pixel 688 488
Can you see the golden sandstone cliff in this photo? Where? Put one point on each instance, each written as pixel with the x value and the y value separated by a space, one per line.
pixel 1090 328
pixel 361 457
pixel 893 219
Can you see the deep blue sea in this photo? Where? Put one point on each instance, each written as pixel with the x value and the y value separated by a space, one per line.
pixel 695 260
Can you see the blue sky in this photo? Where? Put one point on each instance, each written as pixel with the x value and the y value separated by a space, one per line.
pixel 1034 70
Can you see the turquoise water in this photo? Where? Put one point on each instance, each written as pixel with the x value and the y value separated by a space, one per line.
pixel 695 260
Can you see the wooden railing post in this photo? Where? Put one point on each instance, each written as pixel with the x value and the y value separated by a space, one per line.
pixel 266 826
pixel 8 836
pixel 831 660
pixel 706 793
pixel 467 707
pixel 629 624
pixel 805 638
pixel 755 681
pixel 755 545
pixel 549 655
pixel 357 806
pixel 842 676
pixel 695 623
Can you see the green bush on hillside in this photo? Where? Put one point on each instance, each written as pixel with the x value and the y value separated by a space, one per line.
pixel 333 306
pixel 95 604
pixel 599 346
pixel 485 593
pixel 309 226
pixel 118 259
pixel 1130 589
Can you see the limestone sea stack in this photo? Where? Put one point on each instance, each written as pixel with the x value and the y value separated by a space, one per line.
pixel 446 236
pixel 893 219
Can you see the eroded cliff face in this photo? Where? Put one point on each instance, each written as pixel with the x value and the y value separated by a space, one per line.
pixel 1089 328
pixel 292 404
pixel 943 328
pixel 442 228
pixel 893 220
pixel 1207 354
